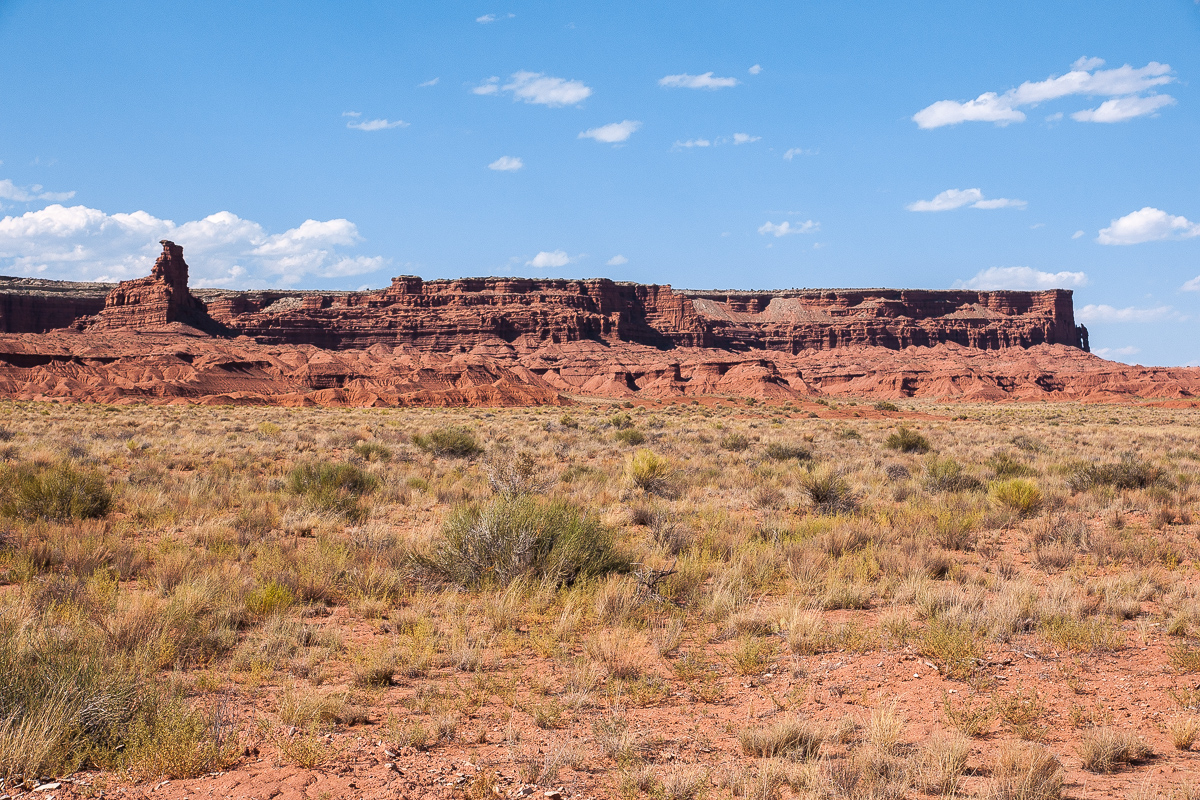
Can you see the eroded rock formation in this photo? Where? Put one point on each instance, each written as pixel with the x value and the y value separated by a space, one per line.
pixel 158 299
pixel 438 316
pixel 516 341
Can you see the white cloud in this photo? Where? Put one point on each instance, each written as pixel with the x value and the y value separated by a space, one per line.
pixel 506 164
pixel 1106 352
pixel 430 82
pixel 736 139
pixel 1148 225
pixel 617 260
pixel 485 19
pixel 1023 278
pixel 988 107
pixel 80 243
pixel 705 81
pixel 534 87
pixel 948 200
pixel 376 125
pixel 797 151
pixel 1087 64
pixel 28 194
pixel 1076 234
pixel 786 228
pixel 957 198
pixel 1123 108
pixel 1085 78
pixel 1104 313
pixel 613 132
pixel 546 259
pixel 999 202
pixel 351 113
pixel 490 86
pixel 1191 286
pixel 757 68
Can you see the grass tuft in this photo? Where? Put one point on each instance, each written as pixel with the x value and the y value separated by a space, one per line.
pixel 793 738
pixel 333 487
pixel 58 493
pixel 1025 771
pixel 496 542
pixel 906 440
pixel 649 471
pixel 1105 749
pixel 454 441
pixel 1017 494
pixel 827 491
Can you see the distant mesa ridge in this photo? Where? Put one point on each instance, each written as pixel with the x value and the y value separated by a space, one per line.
pixel 525 341
pixel 459 315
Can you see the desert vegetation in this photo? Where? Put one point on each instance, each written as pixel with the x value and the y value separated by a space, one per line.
pixel 717 599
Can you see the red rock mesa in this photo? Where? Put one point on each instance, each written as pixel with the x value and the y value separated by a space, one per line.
pixel 523 341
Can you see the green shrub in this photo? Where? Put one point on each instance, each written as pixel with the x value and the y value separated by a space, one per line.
pixel 270 430
pixel 780 451
pixel 175 741
pixel 621 421
pixel 828 492
pixel 373 451
pixel 1005 466
pixel 630 436
pixel 458 442
pixel 513 536
pixel 57 493
pixel 269 598
pixel 955 647
pixel 333 487
pixel 1130 472
pixel 735 442
pixel 906 440
pixel 947 475
pixel 1018 494
pixel 649 472
pixel 63 705
pixel 1092 635
pixel 884 405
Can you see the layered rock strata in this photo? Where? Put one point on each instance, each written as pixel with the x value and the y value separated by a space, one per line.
pixel 438 316
pixel 512 341
pixel 158 299
pixel 519 315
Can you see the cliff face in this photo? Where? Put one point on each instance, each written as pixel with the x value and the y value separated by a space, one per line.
pixel 518 315
pixel 30 305
pixel 458 315
pixel 158 299
pixel 504 341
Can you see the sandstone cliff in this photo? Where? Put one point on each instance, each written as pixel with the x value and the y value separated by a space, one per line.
pixel 442 316
pixel 514 316
pixel 158 299
pixel 509 341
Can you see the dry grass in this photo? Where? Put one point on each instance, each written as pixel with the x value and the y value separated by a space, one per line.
pixel 794 738
pixel 755 578
pixel 1106 749
pixel 1025 772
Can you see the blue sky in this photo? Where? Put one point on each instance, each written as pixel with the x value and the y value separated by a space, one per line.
pixel 705 145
